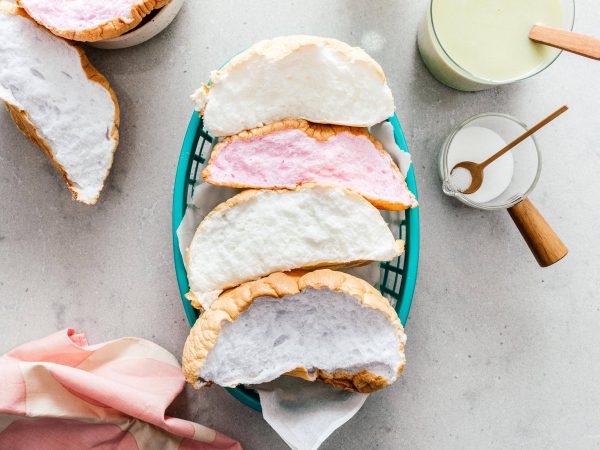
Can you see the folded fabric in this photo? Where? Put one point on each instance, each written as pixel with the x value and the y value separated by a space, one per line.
pixel 61 393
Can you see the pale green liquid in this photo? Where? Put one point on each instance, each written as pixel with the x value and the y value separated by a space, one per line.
pixel 489 38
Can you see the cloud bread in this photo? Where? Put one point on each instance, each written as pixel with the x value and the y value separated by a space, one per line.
pixel 318 79
pixel 323 325
pixel 59 100
pixel 90 20
pixel 258 232
pixel 292 152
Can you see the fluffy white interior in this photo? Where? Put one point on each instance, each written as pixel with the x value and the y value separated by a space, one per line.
pixel 318 83
pixel 41 74
pixel 283 230
pixel 315 329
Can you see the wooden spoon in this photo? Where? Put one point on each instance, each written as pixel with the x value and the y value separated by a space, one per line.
pixel 476 169
pixel 566 40
pixel 543 242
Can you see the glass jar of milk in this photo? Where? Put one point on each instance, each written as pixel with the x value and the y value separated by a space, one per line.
pixel 473 45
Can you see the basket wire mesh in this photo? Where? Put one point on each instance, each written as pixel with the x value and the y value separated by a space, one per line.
pixel 398 277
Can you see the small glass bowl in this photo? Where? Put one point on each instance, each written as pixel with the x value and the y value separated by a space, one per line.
pixel 526 155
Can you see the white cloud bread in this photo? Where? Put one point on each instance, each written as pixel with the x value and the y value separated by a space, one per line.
pixel 59 100
pixel 258 232
pixel 323 325
pixel 307 77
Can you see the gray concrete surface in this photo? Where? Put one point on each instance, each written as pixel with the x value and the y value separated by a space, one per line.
pixel 501 354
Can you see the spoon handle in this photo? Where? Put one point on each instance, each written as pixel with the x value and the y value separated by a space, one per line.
pixel 566 40
pixel 524 136
pixel 543 242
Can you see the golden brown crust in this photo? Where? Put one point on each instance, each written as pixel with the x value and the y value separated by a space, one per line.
pixel 232 303
pixel 21 118
pixel 364 381
pixel 10 8
pixel 320 132
pixel 93 75
pixel 108 30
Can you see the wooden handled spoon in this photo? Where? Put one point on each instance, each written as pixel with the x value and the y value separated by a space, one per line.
pixel 476 169
pixel 543 242
pixel 566 40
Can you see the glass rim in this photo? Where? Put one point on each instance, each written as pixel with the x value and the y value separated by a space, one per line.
pixel 483 80
pixel 462 197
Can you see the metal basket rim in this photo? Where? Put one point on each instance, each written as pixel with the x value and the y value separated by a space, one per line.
pixel 180 193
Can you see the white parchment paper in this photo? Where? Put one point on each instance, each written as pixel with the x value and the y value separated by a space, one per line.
pixel 304 414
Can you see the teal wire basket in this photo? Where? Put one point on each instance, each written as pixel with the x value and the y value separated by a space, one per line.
pixel 398 277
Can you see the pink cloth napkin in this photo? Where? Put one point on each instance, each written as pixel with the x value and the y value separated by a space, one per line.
pixel 61 393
